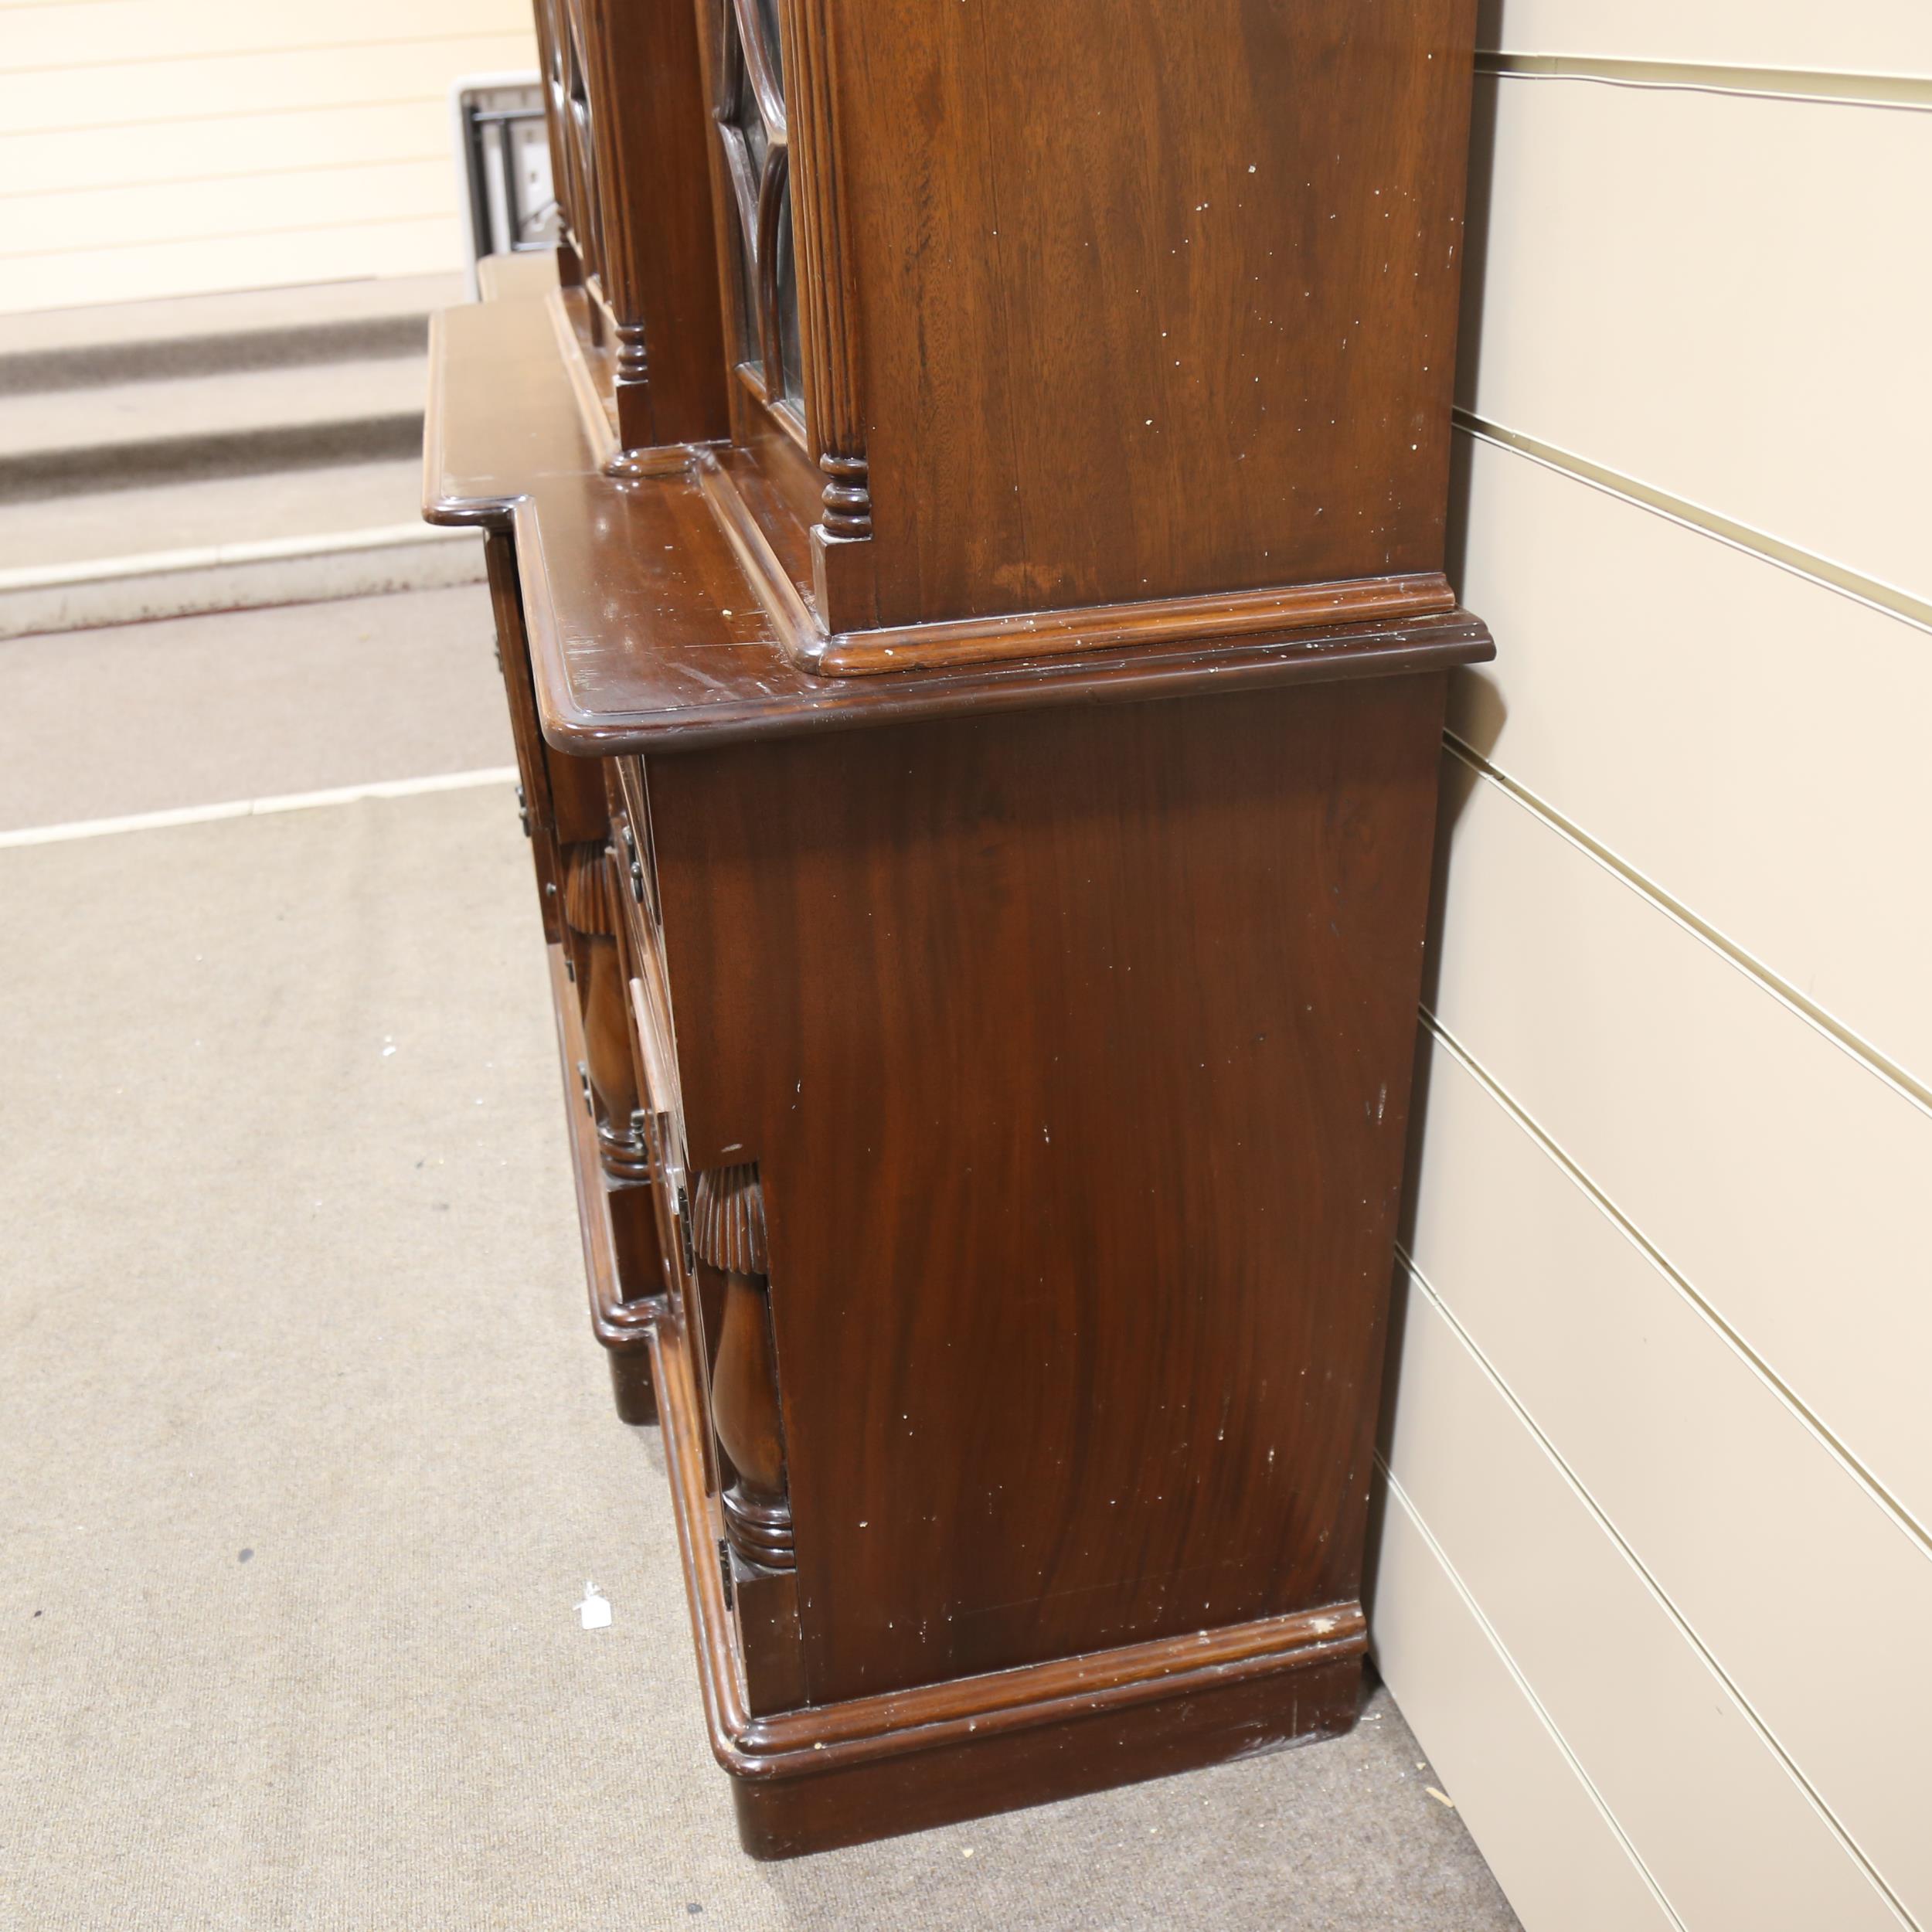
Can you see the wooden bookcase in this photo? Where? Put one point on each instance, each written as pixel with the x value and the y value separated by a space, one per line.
pixel 965 517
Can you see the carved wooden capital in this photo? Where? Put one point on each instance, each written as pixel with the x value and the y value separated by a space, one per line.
pixel 728 1220
pixel 589 905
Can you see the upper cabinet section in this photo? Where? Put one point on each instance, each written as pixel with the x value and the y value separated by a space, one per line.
pixel 1047 325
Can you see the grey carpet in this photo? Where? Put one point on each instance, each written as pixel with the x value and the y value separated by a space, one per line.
pixel 247 704
pixel 306 1454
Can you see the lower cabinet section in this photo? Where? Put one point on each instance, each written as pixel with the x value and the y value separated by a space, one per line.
pixel 987 1142
pixel 807 1778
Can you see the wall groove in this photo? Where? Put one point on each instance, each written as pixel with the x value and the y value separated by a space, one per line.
pixel 293 51
pixel 1766 1736
pixel 1401 1498
pixel 1757 543
pixel 1773 83
pixel 1918 1534
pixel 436 159
pixel 1849 1042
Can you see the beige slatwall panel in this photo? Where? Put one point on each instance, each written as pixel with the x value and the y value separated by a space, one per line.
pixel 1735 1508
pixel 1715 294
pixel 250 204
pixel 1783 1178
pixel 1663 1401
pixel 168 147
pixel 70 33
pixel 352 251
pixel 1870 36
pixel 1545 1832
pixel 1612 1668
pixel 1753 743
pixel 1661 1419
pixel 128 95
pixel 1771 1168
pixel 173 152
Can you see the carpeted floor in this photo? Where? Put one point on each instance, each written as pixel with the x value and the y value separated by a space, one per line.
pixel 196 711
pixel 306 1454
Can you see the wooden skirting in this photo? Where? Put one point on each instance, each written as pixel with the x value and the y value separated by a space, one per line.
pixel 839 1773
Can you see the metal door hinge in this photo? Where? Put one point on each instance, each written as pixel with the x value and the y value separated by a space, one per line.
pixel 684 1234
pixel 635 863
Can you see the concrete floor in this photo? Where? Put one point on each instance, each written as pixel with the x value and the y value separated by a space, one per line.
pixel 309 1452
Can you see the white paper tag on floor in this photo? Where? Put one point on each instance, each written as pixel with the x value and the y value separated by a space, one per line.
pixel 595 1610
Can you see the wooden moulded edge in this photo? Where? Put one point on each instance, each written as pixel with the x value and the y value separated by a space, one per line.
pixel 440 507
pixel 751 706
pixel 599 430
pixel 1246 613
pixel 1217 617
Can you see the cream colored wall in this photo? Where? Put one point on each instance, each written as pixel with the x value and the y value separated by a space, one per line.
pixel 154 148
pixel 1655 1564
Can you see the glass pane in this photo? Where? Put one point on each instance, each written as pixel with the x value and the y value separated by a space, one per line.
pixel 787 280
pixel 748 122
pixel 767 13
pixel 750 349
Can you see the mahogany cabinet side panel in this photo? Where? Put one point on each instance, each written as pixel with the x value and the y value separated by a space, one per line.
pixel 1073 1049
pixel 1176 316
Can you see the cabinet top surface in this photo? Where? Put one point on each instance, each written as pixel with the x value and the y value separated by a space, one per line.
pixel 645 632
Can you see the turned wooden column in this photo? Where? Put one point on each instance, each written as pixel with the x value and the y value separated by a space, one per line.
pixel 728 1231
pixel 759 1559
pixel 590 917
pixel 590 914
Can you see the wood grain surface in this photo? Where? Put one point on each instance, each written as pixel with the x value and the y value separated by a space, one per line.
pixel 1073 1049
pixel 1168 307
